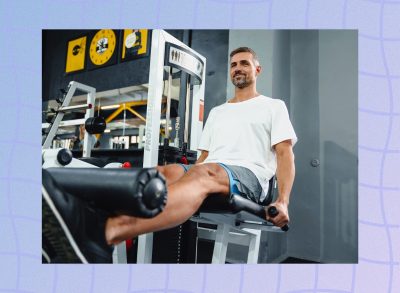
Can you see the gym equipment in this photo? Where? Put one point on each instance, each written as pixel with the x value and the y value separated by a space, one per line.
pixel 238 221
pixel 95 125
pixel 173 54
pixel 72 231
pixel 273 212
pixel 178 58
pixel 168 52
pixel 136 192
pixel 64 157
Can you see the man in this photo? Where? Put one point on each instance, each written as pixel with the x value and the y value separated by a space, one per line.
pixel 78 143
pixel 244 135
pixel 248 139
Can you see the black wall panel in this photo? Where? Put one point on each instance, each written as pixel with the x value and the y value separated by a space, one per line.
pixel 115 76
pixel 213 44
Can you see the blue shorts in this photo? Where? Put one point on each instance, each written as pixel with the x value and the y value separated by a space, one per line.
pixel 241 180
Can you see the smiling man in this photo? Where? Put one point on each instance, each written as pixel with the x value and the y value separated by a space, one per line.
pixel 245 142
pixel 249 139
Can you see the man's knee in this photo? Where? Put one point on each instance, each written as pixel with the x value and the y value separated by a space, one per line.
pixel 212 176
pixel 171 172
pixel 171 168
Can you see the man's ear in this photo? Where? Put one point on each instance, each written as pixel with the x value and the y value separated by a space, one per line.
pixel 258 69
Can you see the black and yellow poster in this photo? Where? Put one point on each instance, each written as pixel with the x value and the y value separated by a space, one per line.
pixel 76 55
pixel 135 44
pixel 103 49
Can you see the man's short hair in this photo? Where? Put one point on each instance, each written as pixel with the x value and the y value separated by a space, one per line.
pixel 245 49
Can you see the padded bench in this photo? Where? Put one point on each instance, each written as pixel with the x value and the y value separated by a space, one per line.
pixel 238 221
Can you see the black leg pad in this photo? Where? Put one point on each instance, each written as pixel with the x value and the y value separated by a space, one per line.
pixel 136 192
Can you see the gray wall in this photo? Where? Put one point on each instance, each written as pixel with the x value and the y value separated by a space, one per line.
pixel 305 237
pixel 315 73
pixel 338 63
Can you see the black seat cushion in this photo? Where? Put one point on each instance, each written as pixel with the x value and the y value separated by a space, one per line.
pixel 235 203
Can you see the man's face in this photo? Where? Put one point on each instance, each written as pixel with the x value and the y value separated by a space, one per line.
pixel 243 71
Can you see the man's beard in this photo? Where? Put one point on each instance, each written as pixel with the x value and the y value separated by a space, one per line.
pixel 241 82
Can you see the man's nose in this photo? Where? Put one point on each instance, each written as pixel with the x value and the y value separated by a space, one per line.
pixel 237 71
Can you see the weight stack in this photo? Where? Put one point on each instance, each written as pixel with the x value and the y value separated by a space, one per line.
pixel 176 245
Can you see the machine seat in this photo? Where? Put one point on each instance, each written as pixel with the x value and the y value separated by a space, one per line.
pixel 236 204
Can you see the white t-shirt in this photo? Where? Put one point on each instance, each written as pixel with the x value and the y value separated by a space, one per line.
pixel 243 134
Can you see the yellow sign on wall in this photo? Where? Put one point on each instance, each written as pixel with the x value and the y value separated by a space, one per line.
pixel 102 47
pixel 76 55
pixel 135 43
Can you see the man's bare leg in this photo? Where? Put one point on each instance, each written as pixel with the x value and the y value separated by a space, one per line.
pixel 172 173
pixel 184 198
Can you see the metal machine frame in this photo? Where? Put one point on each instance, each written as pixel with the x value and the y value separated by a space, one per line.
pixel 160 40
pixel 243 228
pixel 65 107
pixel 157 61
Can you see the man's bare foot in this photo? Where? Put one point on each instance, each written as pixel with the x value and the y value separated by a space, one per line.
pixel 119 228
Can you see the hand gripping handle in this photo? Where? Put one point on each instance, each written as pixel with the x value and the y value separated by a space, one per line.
pixel 273 212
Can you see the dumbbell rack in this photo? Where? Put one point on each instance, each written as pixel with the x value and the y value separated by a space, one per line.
pixel 65 107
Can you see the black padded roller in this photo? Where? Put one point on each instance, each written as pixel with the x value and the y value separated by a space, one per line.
pixel 136 192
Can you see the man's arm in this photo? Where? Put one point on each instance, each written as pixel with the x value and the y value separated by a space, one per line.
pixel 203 156
pixel 285 175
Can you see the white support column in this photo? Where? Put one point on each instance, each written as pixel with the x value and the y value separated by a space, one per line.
pixel 87 145
pixel 221 244
pixel 151 145
pixel 254 247
pixel 145 248
pixel 119 254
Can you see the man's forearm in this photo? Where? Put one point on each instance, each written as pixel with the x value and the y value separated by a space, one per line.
pixel 203 156
pixel 285 175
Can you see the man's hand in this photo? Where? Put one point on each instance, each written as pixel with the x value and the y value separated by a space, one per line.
pixel 282 218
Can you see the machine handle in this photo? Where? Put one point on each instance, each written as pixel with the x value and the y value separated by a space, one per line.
pixel 273 212
pixel 239 203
